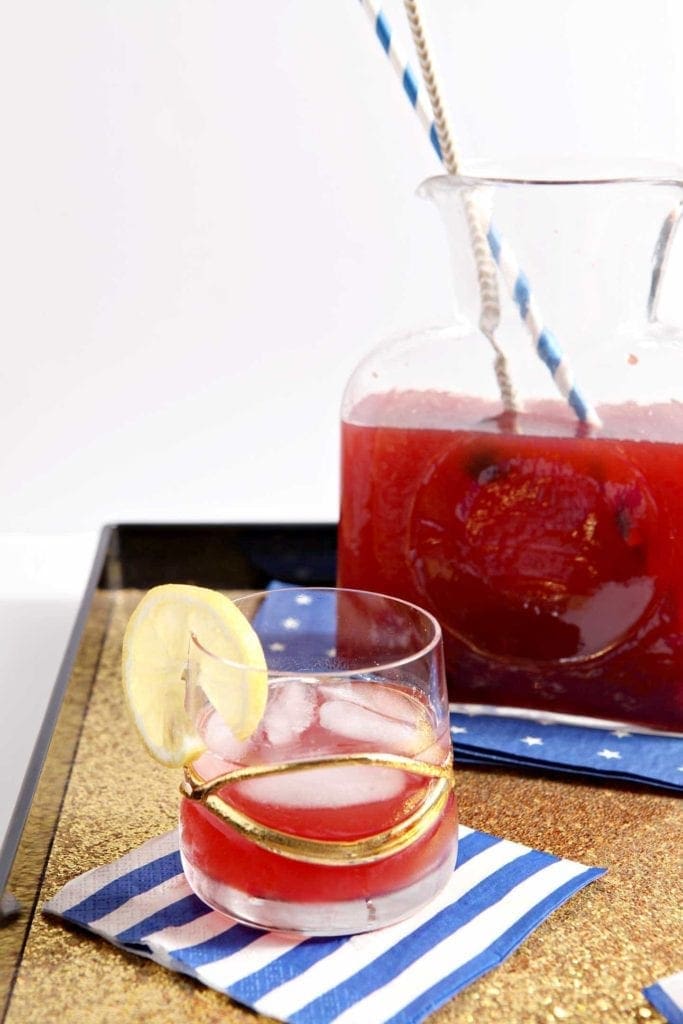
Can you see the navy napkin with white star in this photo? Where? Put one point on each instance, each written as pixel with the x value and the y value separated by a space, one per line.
pixel 501 736
pixel 488 735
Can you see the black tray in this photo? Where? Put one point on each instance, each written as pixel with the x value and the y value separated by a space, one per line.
pixel 589 961
pixel 139 556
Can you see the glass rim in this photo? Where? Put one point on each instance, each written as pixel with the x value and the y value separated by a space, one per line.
pixel 427 648
pixel 567 172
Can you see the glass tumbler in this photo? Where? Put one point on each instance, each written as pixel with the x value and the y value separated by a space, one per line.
pixel 338 815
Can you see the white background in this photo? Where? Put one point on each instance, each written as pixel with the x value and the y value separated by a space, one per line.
pixel 207 215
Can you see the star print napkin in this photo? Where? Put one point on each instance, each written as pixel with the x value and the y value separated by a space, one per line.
pixel 303 620
pixel 498 894
pixel 485 735
pixel 502 736
pixel 667 997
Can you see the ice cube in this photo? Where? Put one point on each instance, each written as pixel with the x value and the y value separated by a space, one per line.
pixel 290 711
pixel 220 739
pixel 356 722
pixel 209 765
pixel 341 786
pixel 385 700
pixel 336 689
pixel 437 752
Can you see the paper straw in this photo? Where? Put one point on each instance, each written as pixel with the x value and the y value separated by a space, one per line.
pixel 543 339
pixel 518 284
pixel 489 317
pixel 661 258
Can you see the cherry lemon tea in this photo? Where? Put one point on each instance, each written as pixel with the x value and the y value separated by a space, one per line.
pixel 551 554
pixel 312 727
pixel 334 811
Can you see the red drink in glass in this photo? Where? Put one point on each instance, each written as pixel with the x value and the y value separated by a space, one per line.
pixel 553 559
pixel 337 814
pixel 332 803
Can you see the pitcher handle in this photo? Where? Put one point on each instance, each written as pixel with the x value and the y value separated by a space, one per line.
pixel 661 257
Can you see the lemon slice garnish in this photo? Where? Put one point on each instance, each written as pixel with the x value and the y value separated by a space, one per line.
pixel 155 659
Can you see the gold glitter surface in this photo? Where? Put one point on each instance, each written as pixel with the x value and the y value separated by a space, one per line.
pixel 587 962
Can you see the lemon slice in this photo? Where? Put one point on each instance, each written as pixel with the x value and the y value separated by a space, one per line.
pixel 155 660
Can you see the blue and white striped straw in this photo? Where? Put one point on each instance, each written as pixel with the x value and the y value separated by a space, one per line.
pixel 489 318
pixel 404 71
pixel 543 339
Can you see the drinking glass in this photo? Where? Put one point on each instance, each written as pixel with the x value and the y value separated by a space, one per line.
pixel 338 815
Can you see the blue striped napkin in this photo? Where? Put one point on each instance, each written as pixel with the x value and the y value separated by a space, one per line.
pixel 667 997
pixel 499 893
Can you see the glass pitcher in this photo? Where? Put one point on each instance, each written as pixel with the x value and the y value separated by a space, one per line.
pixel 519 473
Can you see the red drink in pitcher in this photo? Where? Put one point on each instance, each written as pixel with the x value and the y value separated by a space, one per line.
pixel 552 558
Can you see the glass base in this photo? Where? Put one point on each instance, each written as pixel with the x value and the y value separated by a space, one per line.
pixel 346 917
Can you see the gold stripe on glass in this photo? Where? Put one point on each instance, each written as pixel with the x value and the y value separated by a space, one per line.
pixel 340 853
